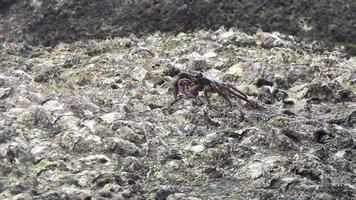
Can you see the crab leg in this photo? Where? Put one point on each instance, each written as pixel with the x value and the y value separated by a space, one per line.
pixel 237 92
pixel 207 98
pixel 225 97
pixel 215 88
pixel 242 96
pixel 175 101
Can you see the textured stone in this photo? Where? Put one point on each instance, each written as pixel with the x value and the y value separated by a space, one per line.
pixel 64 140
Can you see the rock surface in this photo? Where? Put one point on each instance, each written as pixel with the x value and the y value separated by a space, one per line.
pixel 85 120
pixel 53 21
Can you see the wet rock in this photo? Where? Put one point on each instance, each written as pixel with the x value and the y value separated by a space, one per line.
pixel 322 136
pixel 210 54
pixel 174 154
pixel 71 62
pixel 346 95
pixel 104 179
pixel 142 52
pixel 23 76
pixel 125 148
pixel 259 168
pixel 309 170
pixel 281 82
pixel 213 172
pixel 265 95
pixel 44 165
pixel 88 145
pixel 139 74
pixel 162 194
pixel 46 73
pixel 100 130
pixel 198 63
pixel 328 92
pixel 92 130
pixel 54 195
pixel 343 191
pixel 261 82
pixel 218 157
pixel 172 71
pixel 17 189
pixel 341 138
pixel 132 164
pixel 235 70
pixel 5 168
pixel 17 153
pixel 5 92
pixel 351 120
pixel 134 136
pixel 136 105
pixel 288 112
pixel 53 105
pixel 181 196
pixel 269 40
pixel 280 94
pixel 96 160
pixel 2 81
pixel 293 135
pixel 322 153
pixel 253 137
pixel 109 118
pixel 5 134
pixel 213 140
pixel 197 148
pixel 285 144
pixel 68 140
pixel 79 105
pixel 2 185
pixel 318 91
pixel 40 117
pixel 255 170
pixel 6 3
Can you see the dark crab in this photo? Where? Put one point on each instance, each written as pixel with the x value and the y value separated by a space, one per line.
pixel 189 85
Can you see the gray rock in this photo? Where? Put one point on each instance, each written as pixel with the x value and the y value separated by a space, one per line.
pixel 351 120
pixel 74 136
pixel 125 148
pixel 109 118
pixel 4 92
pixel 46 73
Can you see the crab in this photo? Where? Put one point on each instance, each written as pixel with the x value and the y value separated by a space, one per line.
pixel 189 85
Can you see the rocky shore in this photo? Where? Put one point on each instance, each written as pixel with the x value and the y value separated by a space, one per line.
pixel 85 119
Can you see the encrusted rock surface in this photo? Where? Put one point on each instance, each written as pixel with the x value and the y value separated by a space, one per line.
pixel 85 120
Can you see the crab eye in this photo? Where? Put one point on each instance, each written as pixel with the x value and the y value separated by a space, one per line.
pixel 196 74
